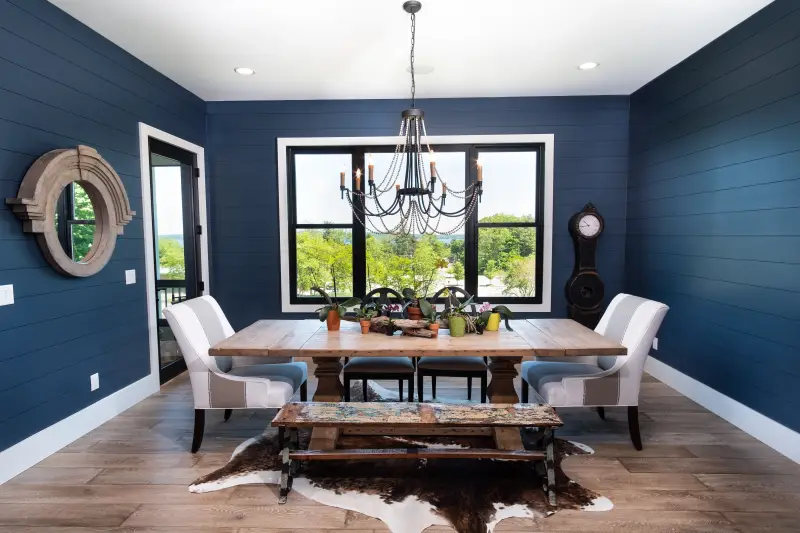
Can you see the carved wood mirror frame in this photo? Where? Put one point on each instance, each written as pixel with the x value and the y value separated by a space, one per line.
pixel 40 190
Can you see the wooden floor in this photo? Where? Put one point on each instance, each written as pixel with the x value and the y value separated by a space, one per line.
pixel 696 473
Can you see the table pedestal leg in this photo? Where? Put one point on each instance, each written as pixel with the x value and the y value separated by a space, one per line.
pixel 329 385
pixel 501 388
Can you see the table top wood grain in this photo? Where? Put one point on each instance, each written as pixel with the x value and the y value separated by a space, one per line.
pixel 310 338
pixel 415 415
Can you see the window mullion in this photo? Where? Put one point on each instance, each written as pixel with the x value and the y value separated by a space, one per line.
pixel 359 234
pixel 471 228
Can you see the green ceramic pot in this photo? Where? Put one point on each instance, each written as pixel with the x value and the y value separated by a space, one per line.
pixel 457 326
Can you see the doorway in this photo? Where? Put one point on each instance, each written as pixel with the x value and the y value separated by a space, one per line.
pixel 176 228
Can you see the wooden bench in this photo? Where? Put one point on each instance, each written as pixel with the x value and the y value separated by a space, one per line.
pixel 328 419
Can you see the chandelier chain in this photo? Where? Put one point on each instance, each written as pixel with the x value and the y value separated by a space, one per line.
pixel 413 79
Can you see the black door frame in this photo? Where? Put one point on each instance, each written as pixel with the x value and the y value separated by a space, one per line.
pixel 194 282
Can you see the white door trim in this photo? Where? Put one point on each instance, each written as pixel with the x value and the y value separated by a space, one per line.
pixel 548 139
pixel 145 133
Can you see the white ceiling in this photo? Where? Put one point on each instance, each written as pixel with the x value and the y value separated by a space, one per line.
pixel 339 49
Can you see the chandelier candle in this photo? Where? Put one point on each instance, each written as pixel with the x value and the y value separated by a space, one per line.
pixel 419 209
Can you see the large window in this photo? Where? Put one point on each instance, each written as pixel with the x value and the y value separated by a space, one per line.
pixel 498 255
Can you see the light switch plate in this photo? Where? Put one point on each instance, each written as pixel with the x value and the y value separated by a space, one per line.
pixel 6 294
pixel 130 277
pixel 655 343
pixel 94 381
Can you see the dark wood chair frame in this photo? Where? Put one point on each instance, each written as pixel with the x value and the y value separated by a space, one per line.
pixel 365 377
pixel 482 375
pixel 200 418
pixel 383 294
pixel 633 416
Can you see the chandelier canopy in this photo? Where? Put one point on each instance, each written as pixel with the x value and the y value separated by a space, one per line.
pixel 415 202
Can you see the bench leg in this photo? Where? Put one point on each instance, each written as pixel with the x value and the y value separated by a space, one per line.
pixel 549 441
pixel 286 476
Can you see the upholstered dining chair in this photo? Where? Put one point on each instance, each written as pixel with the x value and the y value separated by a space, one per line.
pixel 458 367
pixel 608 381
pixel 198 324
pixel 364 368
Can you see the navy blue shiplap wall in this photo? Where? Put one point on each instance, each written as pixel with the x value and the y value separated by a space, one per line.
pixel 62 84
pixel 590 165
pixel 713 210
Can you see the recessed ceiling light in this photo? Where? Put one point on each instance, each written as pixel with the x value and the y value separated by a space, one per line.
pixel 244 71
pixel 588 66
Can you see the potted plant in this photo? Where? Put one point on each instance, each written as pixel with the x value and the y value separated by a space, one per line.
pixel 413 310
pixel 365 314
pixel 491 316
pixel 459 320
pixel 333 311
pixel 390 327
pixel 429 312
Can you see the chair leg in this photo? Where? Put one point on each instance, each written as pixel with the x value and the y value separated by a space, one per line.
pixel 304 391
pixel 433 386
pixel 410 389
pixel 364 389
pixel 199 426
pixel 400 386
pixel 483 388
pixel 601 411
pixel 633 426
pixel 469 388
pixel 419 386
pixel 346 388
pixel 228 413
pixel 525 393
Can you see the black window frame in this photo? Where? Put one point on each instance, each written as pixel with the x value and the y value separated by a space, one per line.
pixel 65 209
pixel 471 228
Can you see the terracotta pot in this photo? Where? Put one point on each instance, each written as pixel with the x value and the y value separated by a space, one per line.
pixel 434 329
pixel 493 324
pixel 364 326
pixel 414 313
pixel 458 326
pixel 334 320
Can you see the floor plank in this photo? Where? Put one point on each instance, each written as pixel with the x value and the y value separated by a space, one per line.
pixel 276 516
pixel 766 522
pixel 93 515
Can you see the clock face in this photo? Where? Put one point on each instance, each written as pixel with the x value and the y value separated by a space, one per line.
pixel 589 226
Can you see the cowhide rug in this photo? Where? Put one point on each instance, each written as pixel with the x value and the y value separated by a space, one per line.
pixel 472 496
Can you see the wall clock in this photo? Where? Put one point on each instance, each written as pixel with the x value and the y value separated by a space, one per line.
pixel 585 289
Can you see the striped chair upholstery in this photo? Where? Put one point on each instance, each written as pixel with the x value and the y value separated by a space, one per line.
pixel 604 381
pixel 198 324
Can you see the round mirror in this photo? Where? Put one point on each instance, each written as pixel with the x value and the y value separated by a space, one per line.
pixel 75 222
pixel 76 205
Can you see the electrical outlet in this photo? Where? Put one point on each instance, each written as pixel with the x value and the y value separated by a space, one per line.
pixel 94 381
pixel 6 295
pixel 655 343
pixel 130 277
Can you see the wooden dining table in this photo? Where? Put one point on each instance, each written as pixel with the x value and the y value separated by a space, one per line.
pixel 552 337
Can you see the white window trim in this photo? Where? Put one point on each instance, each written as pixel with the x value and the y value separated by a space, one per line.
pixel 549 149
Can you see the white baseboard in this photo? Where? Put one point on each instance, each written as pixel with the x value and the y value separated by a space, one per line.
pixel 27 453
pixel 771 433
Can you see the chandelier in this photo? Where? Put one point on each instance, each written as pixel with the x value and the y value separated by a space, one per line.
pixel 415 202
